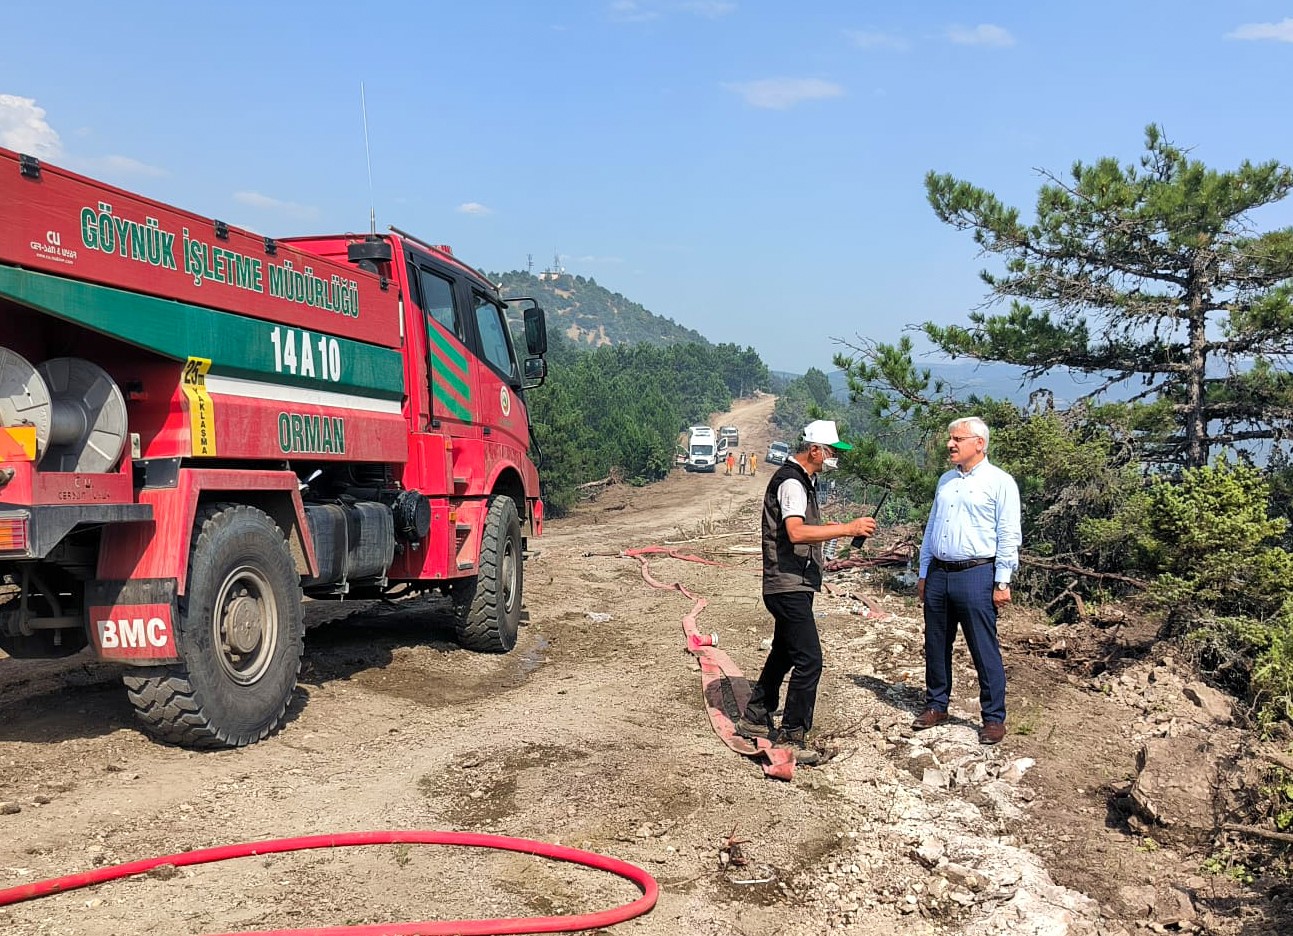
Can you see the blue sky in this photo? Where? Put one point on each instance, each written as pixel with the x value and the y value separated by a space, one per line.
pixel 753 170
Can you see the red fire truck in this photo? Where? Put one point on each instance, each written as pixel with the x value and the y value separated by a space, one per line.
pixel 200 426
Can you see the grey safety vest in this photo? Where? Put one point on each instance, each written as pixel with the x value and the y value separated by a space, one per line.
pixel 789 567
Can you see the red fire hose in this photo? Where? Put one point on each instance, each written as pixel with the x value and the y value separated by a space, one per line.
pixel 718 674
pixel 556 924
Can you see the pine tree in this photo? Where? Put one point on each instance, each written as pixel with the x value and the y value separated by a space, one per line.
pixel 1151 278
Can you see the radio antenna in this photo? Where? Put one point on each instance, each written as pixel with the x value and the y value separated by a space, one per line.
pixel 368 154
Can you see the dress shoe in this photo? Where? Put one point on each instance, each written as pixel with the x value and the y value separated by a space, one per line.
pixel 992 732
pixel 928 719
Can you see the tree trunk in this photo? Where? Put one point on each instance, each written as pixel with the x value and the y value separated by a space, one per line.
pixel 1196 426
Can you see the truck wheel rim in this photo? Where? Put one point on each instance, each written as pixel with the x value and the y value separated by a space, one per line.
pixel 245 625
pixel 509 574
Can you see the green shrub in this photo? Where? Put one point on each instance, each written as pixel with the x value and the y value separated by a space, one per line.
pixel 1208 536
pixel 1208 543
pixel 1272 675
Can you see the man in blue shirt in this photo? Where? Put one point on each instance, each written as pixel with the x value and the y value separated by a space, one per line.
pixel 967 558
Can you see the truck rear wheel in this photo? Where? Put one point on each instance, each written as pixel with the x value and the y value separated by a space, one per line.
pixel 239 637
pixel 487 608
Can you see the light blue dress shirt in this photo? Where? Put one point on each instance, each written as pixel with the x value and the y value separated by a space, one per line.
pixel 975 516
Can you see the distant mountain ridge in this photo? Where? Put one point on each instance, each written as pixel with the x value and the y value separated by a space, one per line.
pixel 999 381
pixel 591 315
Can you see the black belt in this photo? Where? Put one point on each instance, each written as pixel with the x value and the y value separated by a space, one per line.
pixel 961 565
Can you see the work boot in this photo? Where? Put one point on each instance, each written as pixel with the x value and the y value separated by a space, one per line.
pixel 797 740
pixel 755 722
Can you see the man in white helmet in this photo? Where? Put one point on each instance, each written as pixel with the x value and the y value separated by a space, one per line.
pixel 792 575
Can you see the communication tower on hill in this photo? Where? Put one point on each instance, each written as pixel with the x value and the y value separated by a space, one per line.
pixel 553 272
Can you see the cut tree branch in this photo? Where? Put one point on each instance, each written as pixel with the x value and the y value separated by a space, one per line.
pixel 1259 832
pixel 1085 573
pixel 1279 760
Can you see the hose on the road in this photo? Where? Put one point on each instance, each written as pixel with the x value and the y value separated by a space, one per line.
pixel 726 691
pixel 484 927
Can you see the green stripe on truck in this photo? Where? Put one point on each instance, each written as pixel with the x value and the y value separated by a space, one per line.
pixel 453 356
pixel 238 346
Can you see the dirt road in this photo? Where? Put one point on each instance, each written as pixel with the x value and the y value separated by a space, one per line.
pixel 592 733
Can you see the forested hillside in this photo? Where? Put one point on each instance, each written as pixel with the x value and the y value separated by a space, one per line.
pixel 591 315
pixel 622 384
pixel 619 409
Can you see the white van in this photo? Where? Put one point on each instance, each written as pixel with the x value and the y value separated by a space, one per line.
pixel 702 454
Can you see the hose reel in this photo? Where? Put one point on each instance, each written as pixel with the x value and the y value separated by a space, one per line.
pixel 77 409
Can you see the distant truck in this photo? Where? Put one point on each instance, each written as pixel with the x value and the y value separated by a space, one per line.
pixel 731 434
pixel 778 452
pixel 200 425
pixel 702 449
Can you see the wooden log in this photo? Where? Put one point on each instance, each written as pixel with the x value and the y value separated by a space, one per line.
pixel 1259 832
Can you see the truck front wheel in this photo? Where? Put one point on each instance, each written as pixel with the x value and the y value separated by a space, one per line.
pixel 239 637
pixel 487 608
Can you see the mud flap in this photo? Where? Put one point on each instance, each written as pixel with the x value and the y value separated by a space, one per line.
pixel 132 621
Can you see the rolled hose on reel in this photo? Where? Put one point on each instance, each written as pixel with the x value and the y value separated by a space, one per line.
pixel 76 408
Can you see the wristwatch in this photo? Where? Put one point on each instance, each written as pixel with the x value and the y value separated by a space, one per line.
pixel 1002 586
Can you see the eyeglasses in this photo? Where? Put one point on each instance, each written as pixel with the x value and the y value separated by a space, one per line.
pixel 962 438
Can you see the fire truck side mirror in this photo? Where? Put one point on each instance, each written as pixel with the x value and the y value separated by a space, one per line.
pixel 536 369
pixel 536 334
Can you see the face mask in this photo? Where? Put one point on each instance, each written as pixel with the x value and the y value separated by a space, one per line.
pixel 830 464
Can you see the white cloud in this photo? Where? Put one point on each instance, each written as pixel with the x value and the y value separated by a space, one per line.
pixel 119 166
pixel 23 128
pixel 783 93
pixel 595 259
pixel 1280 32
pixel 710 9
pixel 266 203
pixel 630 11
pixel 867 39
pixel 646 11
pixel 474 208
pixel 985 34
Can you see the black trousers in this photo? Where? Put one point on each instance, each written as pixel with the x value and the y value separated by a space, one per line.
pixel 796 649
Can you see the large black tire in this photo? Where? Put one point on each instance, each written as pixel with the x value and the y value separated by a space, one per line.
pixel 239 637
pixel 487 608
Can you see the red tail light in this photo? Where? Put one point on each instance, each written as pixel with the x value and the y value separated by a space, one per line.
pixel 13 533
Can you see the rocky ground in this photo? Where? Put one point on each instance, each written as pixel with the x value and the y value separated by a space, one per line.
pixel 1099 814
